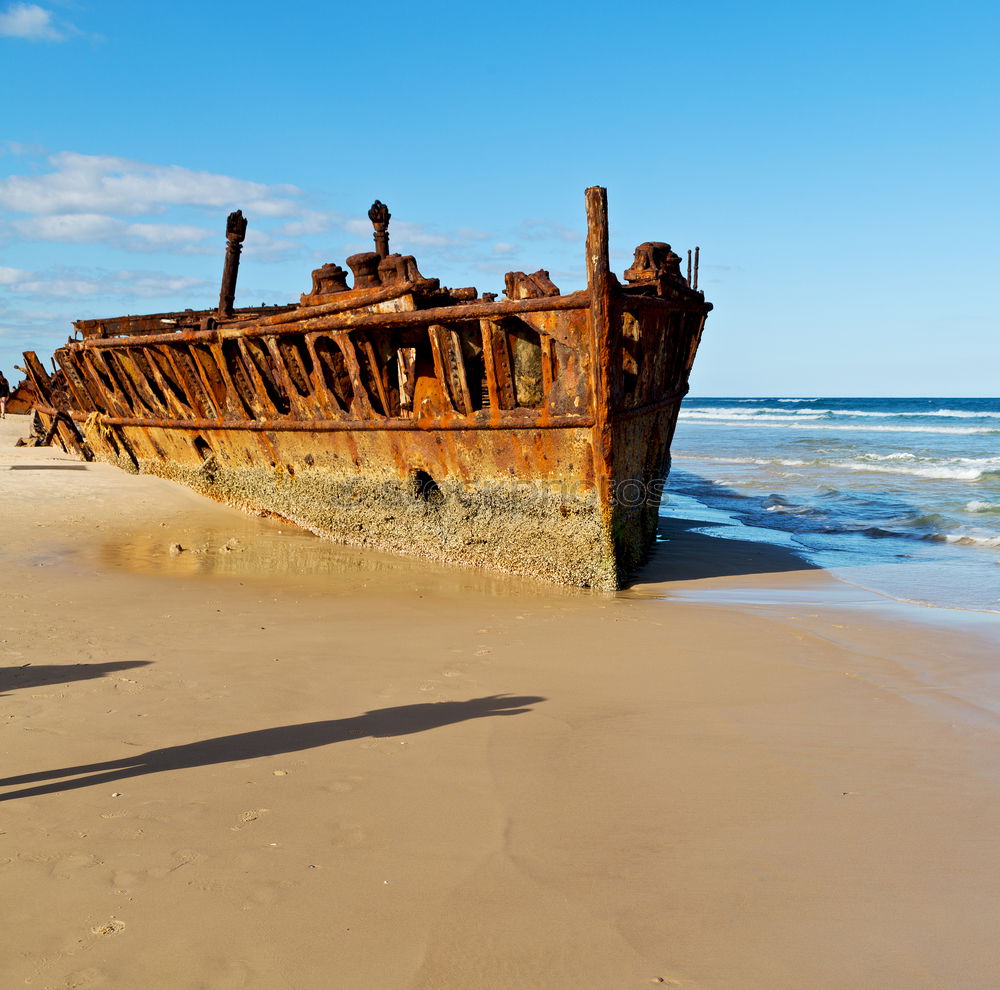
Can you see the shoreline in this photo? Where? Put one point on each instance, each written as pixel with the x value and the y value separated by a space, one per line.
pixel 900 498
pixel 311 765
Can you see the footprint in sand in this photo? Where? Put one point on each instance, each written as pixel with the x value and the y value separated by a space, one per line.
pixel 682 983
pixel 182 857
pixel 86 979
pixel 249 816
pixel 342 786
pixel 346 836
pixel 67 866
pixel 227 974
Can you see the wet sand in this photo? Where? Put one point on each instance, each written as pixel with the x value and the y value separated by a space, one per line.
pixel 235 756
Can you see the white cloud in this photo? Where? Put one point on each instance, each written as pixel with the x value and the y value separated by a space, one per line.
pixel 74 227
pixel 536 229
pixel 25 329
pixel 20 148
pixel 311 223
pixel 76 282
pixel 31 22
pixel 410 235
pixel 106 184
pixel 11 276
pixel 98 201
pixel 359 226
pixel 415 233
pixel 263 247
pixel 97 228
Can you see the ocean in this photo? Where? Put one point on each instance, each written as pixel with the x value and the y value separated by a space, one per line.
pixel 901 496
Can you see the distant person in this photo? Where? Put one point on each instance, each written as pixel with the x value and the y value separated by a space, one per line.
pixel 4 395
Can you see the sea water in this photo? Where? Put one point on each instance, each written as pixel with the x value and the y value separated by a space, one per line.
pixel 901 496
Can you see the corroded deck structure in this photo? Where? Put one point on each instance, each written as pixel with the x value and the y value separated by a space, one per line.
pixel 529 434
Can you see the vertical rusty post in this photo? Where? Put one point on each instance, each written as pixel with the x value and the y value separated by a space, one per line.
pixel 379 215
pixel 598 280
pixel 38 377
pixel 599 286
pixel 689 266
pixel 697 251
pixel 236 230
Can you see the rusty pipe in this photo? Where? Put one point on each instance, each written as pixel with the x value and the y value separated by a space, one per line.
pixel 236 230
pixel 469 313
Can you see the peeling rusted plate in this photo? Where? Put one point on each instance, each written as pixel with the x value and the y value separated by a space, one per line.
pixel 500 377
pixel 450 366
pixel 406 369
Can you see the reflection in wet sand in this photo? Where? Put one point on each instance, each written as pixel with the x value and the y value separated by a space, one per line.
pixel 251 548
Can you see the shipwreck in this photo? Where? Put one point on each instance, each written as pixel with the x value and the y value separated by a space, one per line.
pixel 529 434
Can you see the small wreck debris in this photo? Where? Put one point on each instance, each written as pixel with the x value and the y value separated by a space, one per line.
pixel 529 434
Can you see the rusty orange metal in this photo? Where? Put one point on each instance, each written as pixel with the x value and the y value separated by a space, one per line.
pixel 529 434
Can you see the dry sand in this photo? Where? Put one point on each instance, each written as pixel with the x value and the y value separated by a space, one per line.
pixel 264 761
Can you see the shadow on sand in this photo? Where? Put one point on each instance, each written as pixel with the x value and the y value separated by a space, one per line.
pixel 31 676
pixel 681 554
pixel 400 721
pixel 48 467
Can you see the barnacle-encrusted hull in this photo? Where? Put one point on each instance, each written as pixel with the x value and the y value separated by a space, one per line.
pixel 529 435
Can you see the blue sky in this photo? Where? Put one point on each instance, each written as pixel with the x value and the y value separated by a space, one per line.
pixel 836 162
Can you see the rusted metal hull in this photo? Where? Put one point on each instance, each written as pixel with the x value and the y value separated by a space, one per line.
pixel 21 399
pixel 529 435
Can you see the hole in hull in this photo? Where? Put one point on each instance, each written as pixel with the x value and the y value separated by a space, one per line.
pixel 426 488
pixel 203 447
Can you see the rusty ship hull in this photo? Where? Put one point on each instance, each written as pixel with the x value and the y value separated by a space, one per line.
pixel 529 434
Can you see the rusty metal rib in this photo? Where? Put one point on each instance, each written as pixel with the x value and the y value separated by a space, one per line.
pixel 469 313
pixel 529 421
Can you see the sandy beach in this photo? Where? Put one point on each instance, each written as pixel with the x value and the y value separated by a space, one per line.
pixel 236 756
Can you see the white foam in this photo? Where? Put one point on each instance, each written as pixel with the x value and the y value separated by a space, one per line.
pixel 967 541
pixel 896 455
pixel 903 414
pixel 939 471
pixel 959 468
pixel 762 412
pixel 787 423
pixel 763 461
pixel 962 414
pixel 977 506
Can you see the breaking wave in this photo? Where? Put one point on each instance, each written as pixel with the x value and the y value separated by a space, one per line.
pixel 902 414
pixel 787 423
pixel 910 485
pixel 898 462
pixel 986 507
pixel 753 415
pixel 964 540
pixel 735 459
pixel 955 469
